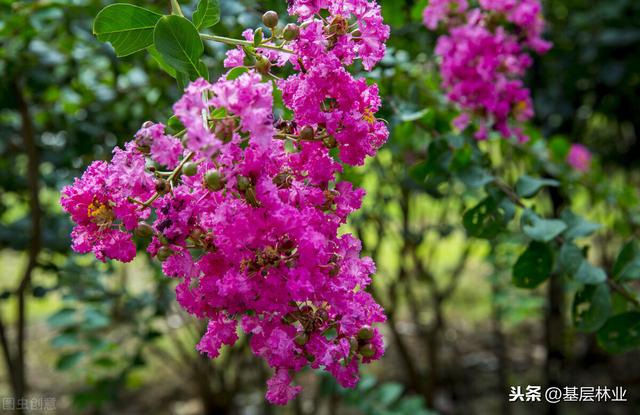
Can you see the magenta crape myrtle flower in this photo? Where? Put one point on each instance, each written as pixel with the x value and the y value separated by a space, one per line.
pixel 247 209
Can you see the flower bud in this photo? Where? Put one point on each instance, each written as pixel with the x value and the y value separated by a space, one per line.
pixel 164 253
pixel 353 344
pixel 291 32
pixel 190 169
pixel 365 333
pixel 263 65
pixel 335 270
pixel 301 339
pixel 243 183
pixel 367 350
pixel 270 19
pixel 223 129
pixel 330 142
pixel 144 230
pixel 213 180
pixel 250 196
pixel 307 133
pixel 162 186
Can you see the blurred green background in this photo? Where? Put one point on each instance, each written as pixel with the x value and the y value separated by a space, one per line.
pixel 109 338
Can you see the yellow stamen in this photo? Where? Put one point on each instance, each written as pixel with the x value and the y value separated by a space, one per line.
pixel 100 213
pixel 369 116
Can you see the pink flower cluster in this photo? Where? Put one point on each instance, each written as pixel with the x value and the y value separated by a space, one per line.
pixel 247 209
pixel 579 157
pixel 323 94
pixel 484 56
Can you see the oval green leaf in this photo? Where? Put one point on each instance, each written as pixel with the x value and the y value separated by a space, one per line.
pixel 207 14
pixel 620 333
pixel 591 307
pixel 528 186
pixel 127 27
pixel 534 266
pixel 179 44
pixel 538 229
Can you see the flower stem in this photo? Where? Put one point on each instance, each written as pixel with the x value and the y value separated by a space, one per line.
pixel 172 176
pixel 175 8
pixel 239 42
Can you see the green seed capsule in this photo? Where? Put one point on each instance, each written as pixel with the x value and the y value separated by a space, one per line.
pixel 307 133
pixel 301 339
pixel 263 65
pixel 270 19
pixel 330 142
pixel 365 333
pixel 190 169
pixel 213 180
pixel 367 350
pixel 291 32
pixel 353 344
pixel 162 186
pixel 164 253
pixel 250 196
pixel 243 183
pixel 143 230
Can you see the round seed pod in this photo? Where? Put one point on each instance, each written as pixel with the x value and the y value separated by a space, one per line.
pixel 270 19
pixel 190 169
pixel 291 32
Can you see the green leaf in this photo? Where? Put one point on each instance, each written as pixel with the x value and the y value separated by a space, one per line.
pixel 475 177
pixel 559 147
pixel 179 43
pixel 63 318
pixel 127 27
pixel 591 307
pixel 236 72
pixel 487 219
pixel 620 333
pixel 161 62
pixel 534 266
pixel 627 265
pixel 390 392
pixel 207 14
pixel 577 226
pixel 95 319
pixel 182 79
pixel 65 340
pixel 538 229
pixel 590 274
pixel 174 125
pixel 68 360
pixel 528 186
pixel 571 258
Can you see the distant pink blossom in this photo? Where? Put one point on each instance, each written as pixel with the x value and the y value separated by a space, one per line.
pixel 579 157
pixel 483 61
